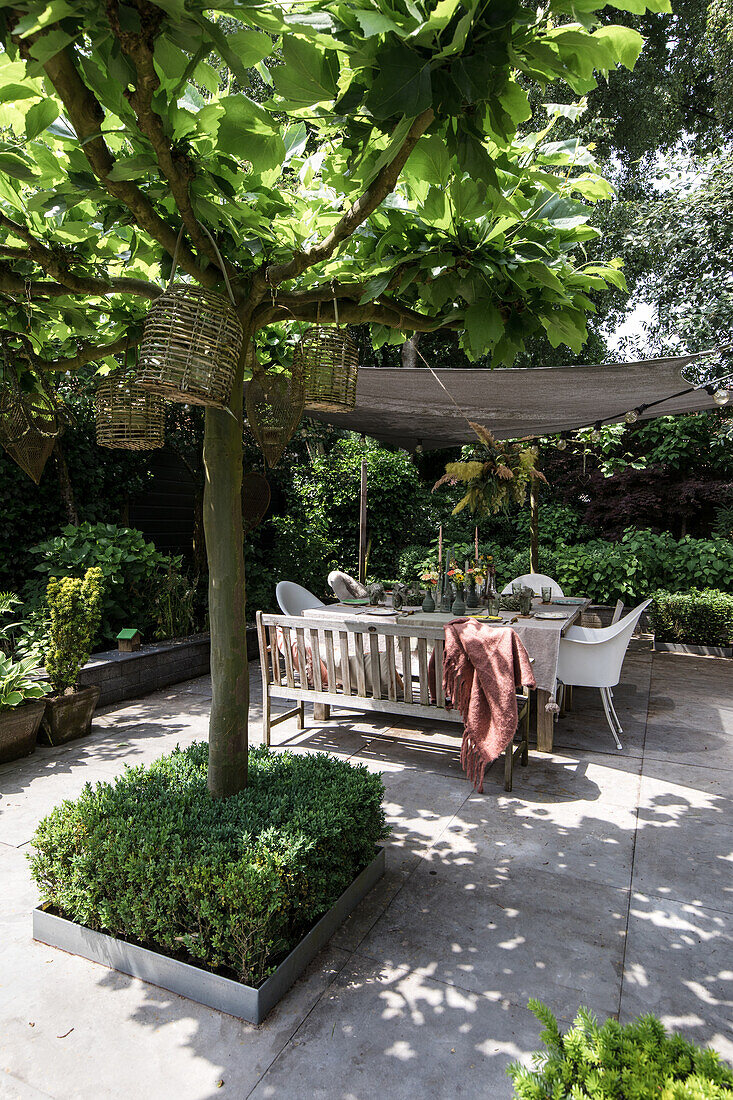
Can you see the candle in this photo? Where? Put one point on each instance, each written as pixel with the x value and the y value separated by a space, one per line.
pixel 476 544
pixel 440 546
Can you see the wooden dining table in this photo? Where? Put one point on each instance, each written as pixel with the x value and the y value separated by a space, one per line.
pixel 525 626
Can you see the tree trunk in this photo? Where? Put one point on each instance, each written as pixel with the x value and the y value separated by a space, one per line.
pixel 223 530
pixel 409 351
pixel 65 487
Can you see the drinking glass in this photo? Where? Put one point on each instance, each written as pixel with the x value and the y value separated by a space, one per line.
pixel 546 595
pixel 525 601
pixel 517 588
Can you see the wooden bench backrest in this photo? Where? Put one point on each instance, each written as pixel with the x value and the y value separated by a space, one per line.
pixel 334 644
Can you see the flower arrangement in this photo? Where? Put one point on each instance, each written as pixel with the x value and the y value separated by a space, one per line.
pixel 499 474
pixel 457 576
pixel 430 577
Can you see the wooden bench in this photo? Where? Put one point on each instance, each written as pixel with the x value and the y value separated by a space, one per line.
pixel 339 660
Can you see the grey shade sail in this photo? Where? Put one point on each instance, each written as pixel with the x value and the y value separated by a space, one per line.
pixel 406 406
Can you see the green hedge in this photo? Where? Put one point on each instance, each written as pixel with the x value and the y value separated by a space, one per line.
pixel 693 618
pixel 232 884
pixel 640 564
pixel 636 1060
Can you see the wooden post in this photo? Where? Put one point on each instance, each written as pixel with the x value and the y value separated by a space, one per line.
pixel 534 528
pixel 363 523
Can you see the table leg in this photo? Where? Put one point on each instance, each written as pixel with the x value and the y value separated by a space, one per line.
pixel 545 722
pixel 321 712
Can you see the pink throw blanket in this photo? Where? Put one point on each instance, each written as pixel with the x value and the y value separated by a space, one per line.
pixel 482 669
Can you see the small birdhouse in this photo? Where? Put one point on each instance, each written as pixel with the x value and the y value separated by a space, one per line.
pixel 128 640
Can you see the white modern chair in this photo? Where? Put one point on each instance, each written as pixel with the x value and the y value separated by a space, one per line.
pixel 593 656
pixel 535 581
pixel 294 599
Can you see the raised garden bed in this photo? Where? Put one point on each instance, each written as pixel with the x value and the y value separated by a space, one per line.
pixel 694 650
pixel 244 1001
pixel 152 667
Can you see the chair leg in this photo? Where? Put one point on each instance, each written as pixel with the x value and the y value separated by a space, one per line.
pixel 300 717
pixel 524 759
pixel 613 711
pixel 609 719
pixel 508 763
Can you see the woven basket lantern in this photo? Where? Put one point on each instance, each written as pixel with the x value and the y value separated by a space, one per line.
pixel 128 417
pixel 30 423
pixel 191 342
pixel 255 499
pixel 329 361
pixel 274 404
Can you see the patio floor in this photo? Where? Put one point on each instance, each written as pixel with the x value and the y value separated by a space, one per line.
pixel 604 879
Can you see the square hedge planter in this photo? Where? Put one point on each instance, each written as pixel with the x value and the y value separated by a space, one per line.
pixel 246 1002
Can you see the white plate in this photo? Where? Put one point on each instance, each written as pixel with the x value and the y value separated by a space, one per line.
pixel 550 615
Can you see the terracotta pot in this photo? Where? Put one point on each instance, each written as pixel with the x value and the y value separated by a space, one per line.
pixel 69 716
pixel 18 729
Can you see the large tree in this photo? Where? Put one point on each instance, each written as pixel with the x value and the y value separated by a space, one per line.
pixel 382 168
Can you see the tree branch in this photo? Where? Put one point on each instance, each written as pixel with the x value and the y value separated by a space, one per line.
pixel 86 116
pixel 10 283
pixel 390 313
pixel 55 265
pixel 86 354
pixel 382 185
pixel 177 168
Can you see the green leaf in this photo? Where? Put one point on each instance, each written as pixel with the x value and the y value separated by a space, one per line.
pixel 309 74
pixel 374 22
pixel 515 102
pixel 402 85
pixel 430 161
pixel 48 45
pixel 11 93
pixel 131 168
pixel 625 44
pixel 249 133
pixel 375 286
pixel 40 117
pixel 484 327
pixel 13 165
pixel 250 46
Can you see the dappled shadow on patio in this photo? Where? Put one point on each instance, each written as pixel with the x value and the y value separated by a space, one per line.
pixel 602 879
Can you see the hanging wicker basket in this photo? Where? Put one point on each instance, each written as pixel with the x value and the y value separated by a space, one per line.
pixel 255 499
pixel 30 423
pixel 191 342
pixel 274 404
pixel 128 417
pixel 329 361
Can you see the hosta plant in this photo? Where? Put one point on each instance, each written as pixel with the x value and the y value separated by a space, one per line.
pixel 19 682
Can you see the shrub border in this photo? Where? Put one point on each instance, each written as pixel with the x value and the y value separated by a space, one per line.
pixel 224 994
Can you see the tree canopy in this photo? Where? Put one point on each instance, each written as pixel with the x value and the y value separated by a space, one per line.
pixel 371 145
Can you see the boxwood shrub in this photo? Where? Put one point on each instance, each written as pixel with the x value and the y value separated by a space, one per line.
pixel 693 618
pixel 636 1060
pixel 228 884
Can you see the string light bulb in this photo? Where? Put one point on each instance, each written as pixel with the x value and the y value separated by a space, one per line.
pixel 631 416
pixel 721 396
pixel 595 435
pixel 561 443
pixel 419 447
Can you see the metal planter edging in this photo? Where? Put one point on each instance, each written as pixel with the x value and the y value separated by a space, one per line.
pixel 224 994
pixel 693 650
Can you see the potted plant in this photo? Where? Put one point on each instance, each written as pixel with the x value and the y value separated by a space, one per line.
pixel 21 707
pixel 75 608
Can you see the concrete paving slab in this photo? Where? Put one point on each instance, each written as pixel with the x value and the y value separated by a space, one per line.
pixel 389 1031
pixel 423 990
pixel 587 841
pixel 678 966
pixel 507 940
